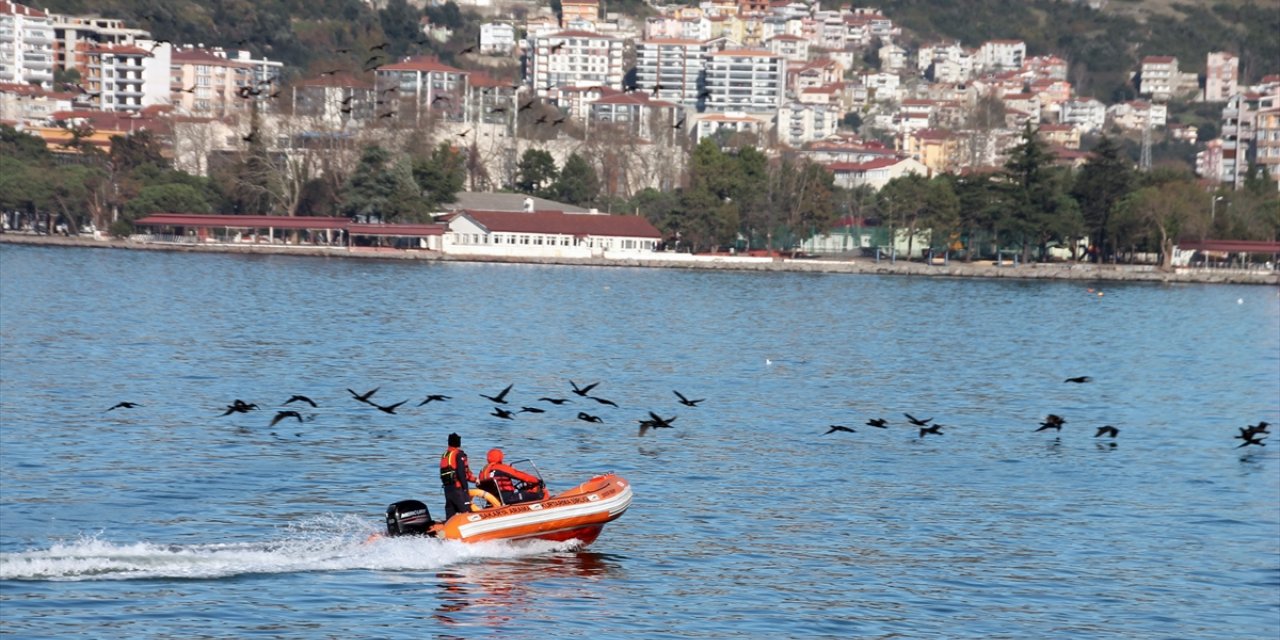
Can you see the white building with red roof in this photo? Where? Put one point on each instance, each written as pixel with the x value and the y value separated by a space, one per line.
pixel 30 105
pixel 26 45
pixel 670 69
pixel 656 120
pixel 421 84
pixel 791 47
pixel 205 84
pixel 799 124
pixel 549 234
pixel 576 58
pixel 1002 55
pixel 711 124
pixel 874 173
pixel 333 100
pixel 1157 77
pixel 126 77
pixel 1221 76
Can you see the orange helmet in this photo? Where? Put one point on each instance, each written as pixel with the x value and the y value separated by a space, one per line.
pixel 495 456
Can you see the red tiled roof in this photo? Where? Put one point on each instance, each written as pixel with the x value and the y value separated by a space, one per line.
pixel 399 230
pixel 681 41
pixel 242 222
pixel 579 34
pixel 203 56
pixel 10 8
pixel 1157 60
pixel 124 50
pixel 558 222
pixel 633 98
pixel 338 80
pixel 421 63
pixel 746 53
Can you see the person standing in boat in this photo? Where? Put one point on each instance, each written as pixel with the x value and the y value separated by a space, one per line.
pixel 504 478
pixel 455 476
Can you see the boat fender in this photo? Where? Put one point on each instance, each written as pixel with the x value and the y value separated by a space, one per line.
pixel 488 498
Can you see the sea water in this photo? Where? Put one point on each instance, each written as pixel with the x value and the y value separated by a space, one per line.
pixel 749 519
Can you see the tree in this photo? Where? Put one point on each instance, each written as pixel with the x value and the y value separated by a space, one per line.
pixel 577 183
pixel 440 176
pixel 137 149
pixel 379 190
pixel 903 203
pixel 535 172
pixel 1164 212
pixel 1104 179
pixel 1041 208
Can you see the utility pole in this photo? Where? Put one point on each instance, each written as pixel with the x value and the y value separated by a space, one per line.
pixel 1144 163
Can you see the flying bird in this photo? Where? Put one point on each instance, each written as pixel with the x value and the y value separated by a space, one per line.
pixel 281 415
pixel 557 121
pixel 582 391
pixel 253 135
pixel 916 421
pixel 1108 431
pixel 238 406
pixel 467 50
pixel 1252 440
pixel 556 47
pixel 391 408
pixel 123 405
pixel 656 421
pixel 501 398
pixel 878 423
pixel 503 413
pixel 685 401
pixel 1052 421
pixel 532 410
pixel 366 396
pixel 1079 379
pixel 379 46
pixel 604 401
pixel 435 397
pixel 935 430
pixel 586 417
pixel 555 401
pixel 836 427
pixel 528 104
pixel 678 124
pixel 464 133
pixel 330 72
pixel 298 398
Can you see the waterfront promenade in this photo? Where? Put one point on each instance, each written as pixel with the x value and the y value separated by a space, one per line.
pixel 954 269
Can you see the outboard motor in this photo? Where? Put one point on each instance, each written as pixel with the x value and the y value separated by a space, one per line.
pixel 408 518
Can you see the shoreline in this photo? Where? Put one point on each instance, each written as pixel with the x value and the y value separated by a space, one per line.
pixel 1033 271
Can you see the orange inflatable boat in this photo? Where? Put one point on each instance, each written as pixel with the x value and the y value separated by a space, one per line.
pixel 576 514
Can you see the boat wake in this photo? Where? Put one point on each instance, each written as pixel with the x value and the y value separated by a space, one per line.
pixel 327 543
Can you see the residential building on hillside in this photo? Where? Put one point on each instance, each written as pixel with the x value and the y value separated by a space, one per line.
pixel 1267 137
pixel 1001 55
pixel 73 35
pixel 26 45
pixel 734 122
pixel 206 84
pixel 586 10
pixel 1157 77
pixel 634 112
pixel 576 58
pixel 874 173
pixel 1060 135
pixel 423 85
pixel 334 101
pixel 497 37
pixel 937 149
pixel 1137 115
pixel 749 80
pixel 793 48
pixel 1087 113
pixel 799 124
pixel 1221 76
pixel 29 105
pixel 670 69
pixel 126 77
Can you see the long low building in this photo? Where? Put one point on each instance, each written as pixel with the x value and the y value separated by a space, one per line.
pixel 553 234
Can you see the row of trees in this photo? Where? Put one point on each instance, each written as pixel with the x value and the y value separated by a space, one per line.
pixel 736 198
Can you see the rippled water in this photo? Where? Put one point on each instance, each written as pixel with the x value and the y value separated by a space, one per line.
pixel 169 521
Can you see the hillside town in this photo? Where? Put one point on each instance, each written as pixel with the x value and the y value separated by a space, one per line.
pixel 828 84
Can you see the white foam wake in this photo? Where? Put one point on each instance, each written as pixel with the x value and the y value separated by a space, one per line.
pixel 327 543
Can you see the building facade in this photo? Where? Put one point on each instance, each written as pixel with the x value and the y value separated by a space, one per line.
pixel 26 45
pixel 576 58
pixel 746 80
pixel 671 69
pixel 1221 76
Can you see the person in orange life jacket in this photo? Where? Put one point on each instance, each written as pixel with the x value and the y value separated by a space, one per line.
pixel 505 477
pixel 454 475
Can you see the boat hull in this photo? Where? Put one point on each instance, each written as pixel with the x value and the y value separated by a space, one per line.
pixel 577 514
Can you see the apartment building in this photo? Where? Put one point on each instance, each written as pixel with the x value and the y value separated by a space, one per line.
pixel 1088 114
pixel 733 122
pixel 635 113
pixel 1267 141
pixel 571 10
pixel 125 77
pixel 793 48
pixel 1158 77
pixel 749 80
pixel 29 105
pixel 671 69
pixel 26 45
pixel 204 83
pixel 497 37
pixel 1001 55
pixel 800 123
pixel 1221 76
pixel 334 100
pixel 576 58
pixel 423 85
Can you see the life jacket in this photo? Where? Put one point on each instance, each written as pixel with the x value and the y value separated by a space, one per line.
pixel 452 464
pixel 500 478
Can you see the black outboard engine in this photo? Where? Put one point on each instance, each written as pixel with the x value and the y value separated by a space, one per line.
pixel 408 518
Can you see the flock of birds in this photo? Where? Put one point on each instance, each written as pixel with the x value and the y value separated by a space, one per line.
pixel 1252 434
pixel 499 400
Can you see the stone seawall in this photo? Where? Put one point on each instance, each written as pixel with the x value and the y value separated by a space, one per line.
pixel 1035 271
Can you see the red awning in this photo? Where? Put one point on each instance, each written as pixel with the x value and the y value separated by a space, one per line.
pixel 242 222
pixel 395 230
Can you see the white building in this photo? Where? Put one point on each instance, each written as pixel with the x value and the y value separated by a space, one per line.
pixel 26 45
pixel 1086 113
pixel 30 105
pixel 1158 77
pixel 669 69
pixel 793 48
pixel 802 123
pixel 1137 115
pixel 497 37
pixel 577 59
pixel 745 80
pixel 874 173
pixel 1002 55
pixel 73 35
pixel 552 234
pixel 1221 76
pixel 126 77
pixel 732 122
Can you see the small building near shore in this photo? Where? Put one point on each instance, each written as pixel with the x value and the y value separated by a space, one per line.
pixel 548 234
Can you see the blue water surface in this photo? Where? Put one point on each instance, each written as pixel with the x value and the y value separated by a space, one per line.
pixel 749 519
